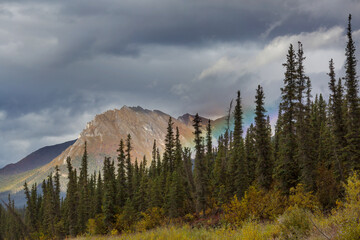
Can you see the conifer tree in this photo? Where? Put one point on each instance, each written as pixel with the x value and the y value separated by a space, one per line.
pixel 141 198
pixel 209 151
pixel 121 176
pixel 57 193
pixel 352 98
pixel 251 154
pixel 99 194
pixel 169 148
pixel 263 143
pixel 176 194
pixel 71 200
pixel 109 192
pixel 31 208
pixel 153 170
pixel 337 121
pixel 129 168
pixel 288 169
pixel 188 168
pixel 238 169
pixel 83 191
pixel 304 156
pixel 200 168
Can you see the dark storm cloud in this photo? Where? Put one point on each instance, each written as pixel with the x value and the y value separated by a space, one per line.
pixel 62 62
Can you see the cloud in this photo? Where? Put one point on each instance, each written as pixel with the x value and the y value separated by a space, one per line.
pixel 62 62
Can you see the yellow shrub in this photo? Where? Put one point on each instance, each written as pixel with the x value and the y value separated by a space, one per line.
pixel 235 211
pixel 306 200
pixel 114 232
pixel 348 212
pixel 295 223
pixel 189 217
pixel 256 204
pixel 96 225
pixel 152 218
pixel 352 194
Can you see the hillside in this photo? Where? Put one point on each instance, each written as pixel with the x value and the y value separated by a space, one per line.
pixel 36 159
pixel 103 135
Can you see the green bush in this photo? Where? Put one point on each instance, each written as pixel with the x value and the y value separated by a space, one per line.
pixel 295 224
pixel 96 226
pixel 152 218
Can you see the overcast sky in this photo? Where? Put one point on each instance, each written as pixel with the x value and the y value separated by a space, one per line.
pixel 62 62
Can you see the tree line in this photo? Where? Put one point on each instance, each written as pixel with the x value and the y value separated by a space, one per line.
pixel 316 143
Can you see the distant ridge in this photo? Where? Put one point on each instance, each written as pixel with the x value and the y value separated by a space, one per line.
pixel 36 159
pixel 102 135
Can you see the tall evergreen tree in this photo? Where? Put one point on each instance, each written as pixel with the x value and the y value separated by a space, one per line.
pixel 109 192
pixel 57 193
pixel 169 148
pixel 200 168
pixel 337 122
pixel 31 209
pixel 288 170
pixel 250 150
pixel 238 169
pixel 83 191
pixel 153 167
pixel 121 176
pixel 304 155
pixel 129 168
pixel 352 98
pixel 99 195
pixel 264 164
pixel 71 200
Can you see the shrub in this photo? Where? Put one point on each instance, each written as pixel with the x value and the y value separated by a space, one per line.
pixel 152 218
pixel 126 220
pixel 256 204
pixel 305 200
pixel 348 213
pixel 96 226
pixel 235 211
pixel 295 224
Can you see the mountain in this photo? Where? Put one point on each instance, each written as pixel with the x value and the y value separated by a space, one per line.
pixel 103 135
pixel 36 159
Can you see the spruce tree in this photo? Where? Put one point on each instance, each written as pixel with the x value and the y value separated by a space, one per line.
pixel 31 207
pixel 71 200
pixel 153 170
pixel 109 193
pixel 264 164
pixel 200 168
pixel 169 148
pixel 288 168
pixel 141 197
pixel 337 121
pixel 99 195
pixel 352 98
pixel 304 157
pixel 251 154
pixel 178 150
pixel 129 168
pixel 238 169
pixel 121 176
pixel 83 191
pixel 57 193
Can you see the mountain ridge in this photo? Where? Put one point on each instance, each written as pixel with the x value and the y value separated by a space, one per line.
pixel 36 159
pixel 102 135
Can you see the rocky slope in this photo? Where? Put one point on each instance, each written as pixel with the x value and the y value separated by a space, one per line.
pixel 103 135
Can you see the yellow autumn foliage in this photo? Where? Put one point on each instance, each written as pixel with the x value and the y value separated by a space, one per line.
pixel 256 204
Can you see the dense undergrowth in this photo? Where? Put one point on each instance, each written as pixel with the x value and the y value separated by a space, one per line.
pixel 257 215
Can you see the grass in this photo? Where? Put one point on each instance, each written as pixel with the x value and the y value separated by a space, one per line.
pixel 250 231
